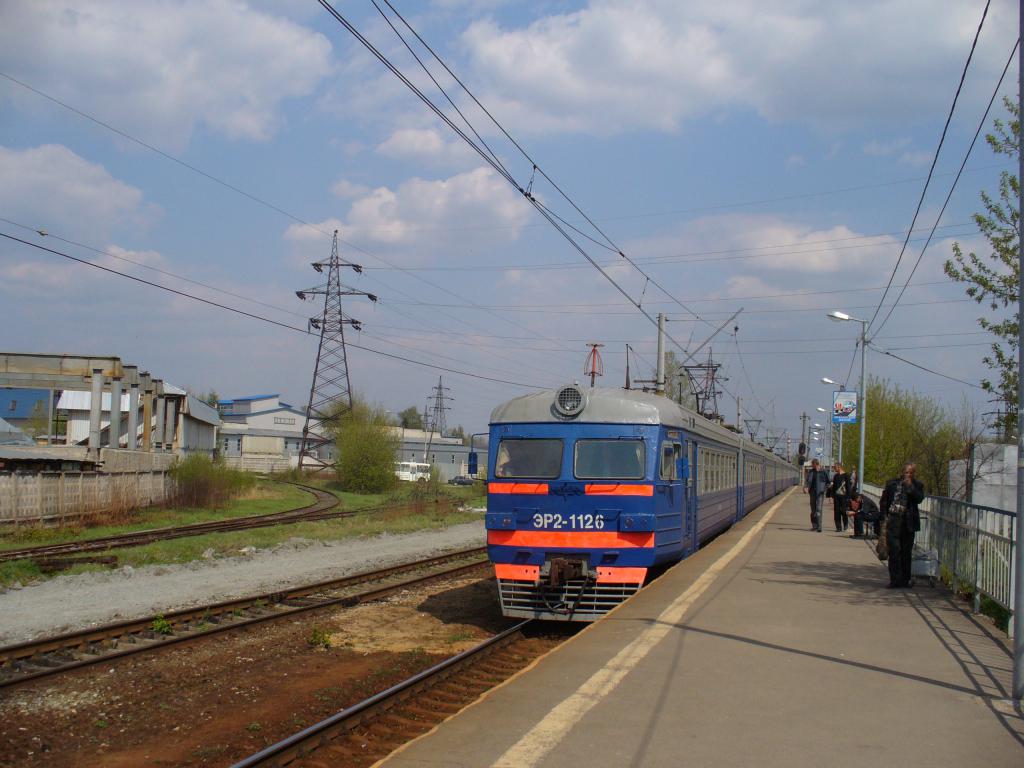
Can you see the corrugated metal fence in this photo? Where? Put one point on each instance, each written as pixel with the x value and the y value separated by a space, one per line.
pixel 974 544
pixel 53 497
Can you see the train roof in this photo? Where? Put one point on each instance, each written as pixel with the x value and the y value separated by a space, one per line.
pixel 617 406
pixel 601 406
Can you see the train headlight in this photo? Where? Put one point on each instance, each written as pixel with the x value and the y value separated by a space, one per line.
pixel 570 401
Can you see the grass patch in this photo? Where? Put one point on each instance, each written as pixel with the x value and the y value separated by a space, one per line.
pixel 264 498
pixel 319 638
pixel 430 516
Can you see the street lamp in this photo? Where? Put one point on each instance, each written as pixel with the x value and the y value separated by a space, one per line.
pixel 842 317
pixel 842 387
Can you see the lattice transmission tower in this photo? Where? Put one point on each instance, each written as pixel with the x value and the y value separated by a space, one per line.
pixel 434 414
pixel 330 396
pixel 705 380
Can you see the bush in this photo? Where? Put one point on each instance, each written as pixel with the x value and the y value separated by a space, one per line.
pixel 366 451
pixel 200 482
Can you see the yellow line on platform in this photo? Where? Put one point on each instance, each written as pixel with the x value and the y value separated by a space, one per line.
pixel 553 727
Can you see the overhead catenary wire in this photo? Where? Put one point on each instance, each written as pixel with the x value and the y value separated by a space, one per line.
pixel 691 257
pixel 261 318
pixel 250 196
pixel 967 155
pixel 889 353
pixel 526 194
pixel 935 160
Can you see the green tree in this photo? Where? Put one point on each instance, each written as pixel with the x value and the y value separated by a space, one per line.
pixel 411 418
pixel 211 398
pixel 366 449
pixel 993 279
pixel 906 426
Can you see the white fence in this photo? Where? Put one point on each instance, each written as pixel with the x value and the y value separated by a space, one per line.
pixel 49 497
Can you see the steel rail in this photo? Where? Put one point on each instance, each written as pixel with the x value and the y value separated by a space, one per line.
pixel 34 659
pixel 322 509
pixel 324 501
pixel 308 740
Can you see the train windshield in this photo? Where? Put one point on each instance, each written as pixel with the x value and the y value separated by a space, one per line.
pixel 610 459
pixel 541 458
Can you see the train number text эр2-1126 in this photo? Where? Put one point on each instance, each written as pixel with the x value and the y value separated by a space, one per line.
pixel 555 521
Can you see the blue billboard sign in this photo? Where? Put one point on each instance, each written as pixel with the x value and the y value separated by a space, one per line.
pixel 844 407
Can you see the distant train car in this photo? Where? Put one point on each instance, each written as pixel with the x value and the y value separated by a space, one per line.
pixel 590 488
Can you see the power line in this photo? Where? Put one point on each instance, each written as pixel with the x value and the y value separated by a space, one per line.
pixel 526 192
pixel 935 159
pixel 111 254
pixel 249 196
pixel 716 314
pixel 977 133
pixel 261 201
pixel 258 317
pixel 928 370
pixel 692 257
pixel 694 299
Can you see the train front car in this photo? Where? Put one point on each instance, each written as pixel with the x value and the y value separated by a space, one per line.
pixel 585 493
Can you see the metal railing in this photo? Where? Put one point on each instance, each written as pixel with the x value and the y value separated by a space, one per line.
pixel 974 544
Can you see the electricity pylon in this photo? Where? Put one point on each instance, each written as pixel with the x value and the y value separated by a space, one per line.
pixel 330 396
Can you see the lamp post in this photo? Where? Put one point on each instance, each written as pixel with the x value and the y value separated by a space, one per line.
pixel 826 443
pixel 842 317
pixel 842 388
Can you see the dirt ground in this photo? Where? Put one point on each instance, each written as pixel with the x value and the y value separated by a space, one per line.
pixel 219 699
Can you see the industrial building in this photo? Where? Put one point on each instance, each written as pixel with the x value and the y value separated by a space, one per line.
pixel 259 433
pixel 191 424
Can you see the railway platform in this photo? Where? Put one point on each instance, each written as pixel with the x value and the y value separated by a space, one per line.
pixel 773 646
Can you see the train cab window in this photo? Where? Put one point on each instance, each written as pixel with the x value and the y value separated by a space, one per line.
pixel 609 459
pixel 529 457
pixel 670 455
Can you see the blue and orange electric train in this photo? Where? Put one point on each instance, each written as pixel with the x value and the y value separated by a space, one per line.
pixel 588 489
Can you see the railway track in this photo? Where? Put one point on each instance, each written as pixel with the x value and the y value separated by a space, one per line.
pixel 322 509
pixel 375 727
pixel 49 656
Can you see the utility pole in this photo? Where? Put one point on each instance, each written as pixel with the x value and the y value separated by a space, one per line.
pixel 1018 600
pixel 627 366
pixel 738 427
pixel 330 396
pixel 659 379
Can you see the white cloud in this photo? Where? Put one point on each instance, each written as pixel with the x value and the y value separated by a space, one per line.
pixel 470 208
pixel 424 144
pixel 759 243
pixel 879 148
pixel 653 64
pixel 160 68
pixel 53 188
pixel 346 189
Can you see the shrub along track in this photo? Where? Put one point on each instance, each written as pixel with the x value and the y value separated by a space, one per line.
pixel 48 656
pixel 375 727
pixel 322 509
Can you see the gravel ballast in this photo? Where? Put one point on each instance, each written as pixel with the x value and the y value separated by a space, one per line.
pixel 69 603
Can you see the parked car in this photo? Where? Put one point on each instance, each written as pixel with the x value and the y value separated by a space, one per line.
pixel 462 480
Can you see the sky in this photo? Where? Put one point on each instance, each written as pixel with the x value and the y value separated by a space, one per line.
pixel 713 157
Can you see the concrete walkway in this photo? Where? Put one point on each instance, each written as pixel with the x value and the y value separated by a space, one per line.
pixel 772 646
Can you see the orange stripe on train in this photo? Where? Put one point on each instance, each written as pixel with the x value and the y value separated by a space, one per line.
pixel 618 489
pixel 570 539
pixel 532 488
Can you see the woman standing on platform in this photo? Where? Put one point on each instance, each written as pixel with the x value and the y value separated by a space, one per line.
pixel 842 491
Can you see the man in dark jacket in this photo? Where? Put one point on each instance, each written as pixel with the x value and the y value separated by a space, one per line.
pixel 899 506
pixel 867 513
pixel 815 485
